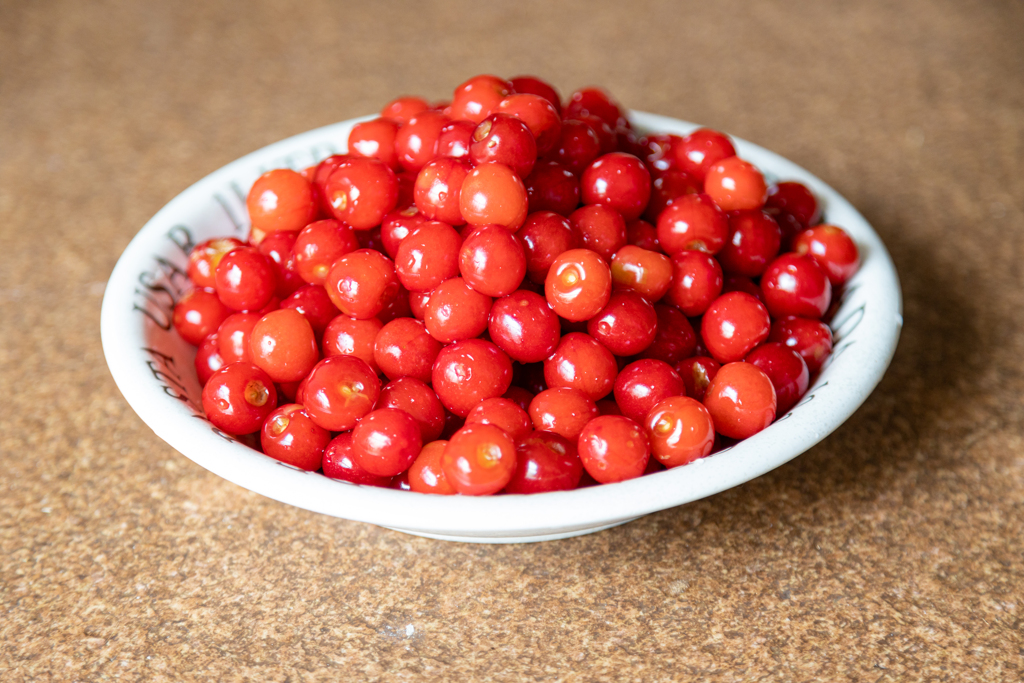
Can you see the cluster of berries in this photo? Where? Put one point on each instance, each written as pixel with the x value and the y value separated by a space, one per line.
pixel 553 299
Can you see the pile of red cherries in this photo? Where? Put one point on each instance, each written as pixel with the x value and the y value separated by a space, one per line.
pixel 508 293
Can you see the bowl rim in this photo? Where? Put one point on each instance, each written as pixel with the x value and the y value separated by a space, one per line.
pixel 866 339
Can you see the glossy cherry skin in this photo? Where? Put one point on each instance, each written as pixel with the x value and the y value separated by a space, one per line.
pixel 545 461
pixel 504 413
pixel 626 326
pixel 552 187
pixel 754 240
pixel 479 460
pixel 796 200
pixel 238 398
pixel 208 359
pixel 478 98
pixel 537 86
pixel 577 146
pixel 562 410
pixel 278 247
pixel 733 325
pixel 428 256
pixel 345 336
pixel 339 391
pixel 198 315
pixel 613 448
pixel 361 191
pixel 520 396
pixel 595 102
pixel 787 371
pixel 403 109
pixel 643 383
pixel 246 279
pixel 642 234
pixel 578 285
pixel 492 261
pixel 666 189
pixel 385 442
pixel 283 345
pixel 493 193
pixel 426 474
pixel 418 399
pixel 832 249
pixel 539 115
pixel 375 139
pixel 692 222
pixel 680 430
pixel 438 189
pixel 796 285
pixel 674 338
pixel 812 339
pixel 289 435
pixel 643 271
pixel 696 282
pixel 205 257
pixel 504 139
pixel 455 139
pixel 735 185
pixel 619 181
pixel 544 236
pixel 234 334
pixel 396 226
pixel 456 311
pixel 313 302
pixel 581 362
pixel 361 283
pixel 599 228
pixel 468 372
pixel 416 141
pixel 339 462
pixel 741 400
pixel 697 373
pixel 698 151
pixel 281 200
pixel 404 348
pixel 524 326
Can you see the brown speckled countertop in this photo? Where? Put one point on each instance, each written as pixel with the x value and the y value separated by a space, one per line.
pixel 893 551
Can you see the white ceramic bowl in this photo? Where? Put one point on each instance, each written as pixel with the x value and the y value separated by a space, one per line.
pixel 153 368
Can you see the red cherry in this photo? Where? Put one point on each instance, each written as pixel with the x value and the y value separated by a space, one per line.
pixel 645 272
pixel 692 222
pixel 832 249
pixel 361 191
pixel 198 315
pixel 552 187
pixel 418 399
pixel 439 187
pixel 626 326
pixel 524 326
pixel 281 200
pixel 613 448
pixel 642 384
pixel 208 359
pixel 205 257
pixel 416 141
pixel 345 336
pixel 501 412
pixel 403 348
pixel 698 151
pixel 455 138
pixel 696 282
pixel 619 181
pixel 539 115
pixel 795 200
pixel 812 339
pixel 396 226
pixel 537 86
pixel 426 474
pixel 581 362
pixel 456 311
pixel 697 373
pixel 680 431
pixel 796 285
pixel 735 185
pixel 339 462
pixel 741 400
pixel 667 188
pixel 279 248
pixel 404 109
pixel 238 397
pixel 493 193
pixel 562 410
pixel 479 460
pixel 545 461
pixel 544 236
pixel 313 302
pixel 319 245
pixel 468 372
pixel 578 285
pixel 595 102
pixel 283 345
pixel 754 239
pixel 289 435
pixel 339 391
pixel 504 139
pixel 642 234
pixel 234 334
pixel 674 339
pixel 733 325
pixel 599 228
pixel 478 98
pixel 786 370
pixel 428 256
pixel 577 146
pixel 492 261
pixel 246 279
pixel 385 442
pixel 361 283
pixel 375 139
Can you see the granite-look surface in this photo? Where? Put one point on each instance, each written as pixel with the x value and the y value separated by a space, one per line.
pixel 893 551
